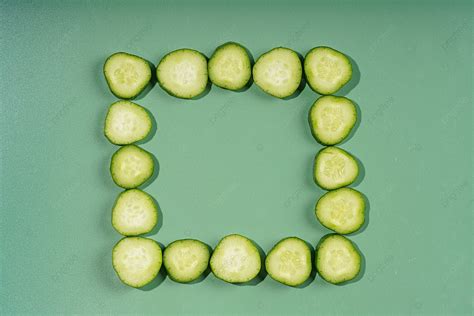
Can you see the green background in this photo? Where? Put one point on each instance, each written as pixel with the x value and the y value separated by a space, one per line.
pixel 237 162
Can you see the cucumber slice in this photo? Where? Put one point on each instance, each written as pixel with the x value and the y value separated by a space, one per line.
pixel 334 168
pixel 186 260
pixel 278 72
pixel 131 166
pixel 126 123
pixel 229 66
pixel 127 75
pixel 134 213
pixel 337 259
pixel 183 73
pixel 289 261
pixel 136 260
pixel 235 259
pixel 342 210
pixel 331 119
pixel 326 69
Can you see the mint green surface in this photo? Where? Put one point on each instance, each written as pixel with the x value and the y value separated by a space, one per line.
pixel 236 162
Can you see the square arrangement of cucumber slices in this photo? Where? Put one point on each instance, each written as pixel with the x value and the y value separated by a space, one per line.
pixel 186 74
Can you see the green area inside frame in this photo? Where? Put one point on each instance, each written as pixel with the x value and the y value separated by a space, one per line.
pixel 145 89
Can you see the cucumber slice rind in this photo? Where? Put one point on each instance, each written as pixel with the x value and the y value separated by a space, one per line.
pixel 126 123
pixel 141 76
pixel 332 119
pixel 274 64
pixel 316 80
pixel 218 67
pixel 125 219
pixel 134 175
pixel 200 256
pixel 341 210
pixel 197 79
pixel 246 259
pixel 328 263
pixel 329 163
pixel 274 261
pixel 145 260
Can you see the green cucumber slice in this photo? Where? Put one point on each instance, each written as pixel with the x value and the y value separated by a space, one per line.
pixel 131 166
pixel 183 73
pixel 289 261
pixel 326 69
pixel 337 259
pixel 334 168
pixel 341 210
pixel 235 259
pixel 126 123
pixel 186 260
pixel 229 66
pixel 136 260
pixel 278 72
pixel 127 75
pixel 331 119
pixel 134 213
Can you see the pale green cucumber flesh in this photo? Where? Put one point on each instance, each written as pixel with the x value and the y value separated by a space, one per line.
pixel 334 168
pixel 331 119
pixel 127 75
pixel 134 213
pixel 235 259
pixel 278 72
pixel 229 66
pixel 341 210
pixel 289 261
pixel 126 123
pixel 327 70
pixel 337 259
pixel 131 166
pixel 183 73
pixel 136 260
pixel 186 260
